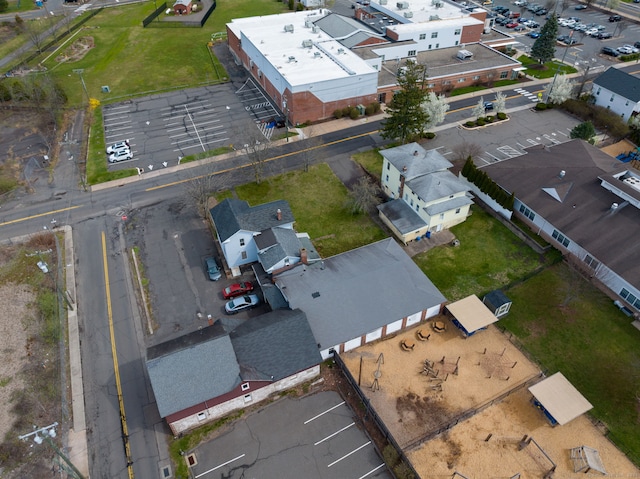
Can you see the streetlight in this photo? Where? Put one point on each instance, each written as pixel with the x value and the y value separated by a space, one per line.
pixel 80 71
pixel 46 434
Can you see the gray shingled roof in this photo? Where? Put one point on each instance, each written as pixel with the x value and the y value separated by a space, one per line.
pixel 584 215
pixel 437 185
pixel 287 245
pixel 348 31
pixel 275 345
pixel 417 160
pixel 232 215
pixel 354 293
pixel 620 83
pixel 448 205
pixel 192 369
pixel 402 216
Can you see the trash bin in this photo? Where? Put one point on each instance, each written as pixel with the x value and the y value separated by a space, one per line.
pixel 428 235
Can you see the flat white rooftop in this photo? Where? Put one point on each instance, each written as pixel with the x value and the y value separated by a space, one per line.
pixel 302 54
pixel 422 11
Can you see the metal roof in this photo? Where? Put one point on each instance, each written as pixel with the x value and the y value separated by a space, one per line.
pixel 560 398
pixel 402 216
pixel 471 313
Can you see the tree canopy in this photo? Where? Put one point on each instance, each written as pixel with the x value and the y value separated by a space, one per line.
pixel 406 117
pixel 584 131
pixel 544 48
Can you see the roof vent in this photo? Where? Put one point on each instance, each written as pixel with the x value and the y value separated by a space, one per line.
pixel 562 174
pixel 317 55
pixel 315 295
pixel 292 59
pixel 340 50
pixel 288 28
pixel 614 206
pixel 415 153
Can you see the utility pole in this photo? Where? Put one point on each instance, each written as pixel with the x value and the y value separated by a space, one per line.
pixel 49 432
pixel 80 71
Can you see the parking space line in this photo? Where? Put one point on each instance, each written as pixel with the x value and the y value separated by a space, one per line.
pixel 349 454
pixel 188 133
pixel 175 107
pixel 533 142
pixel 323 413
pixel 195 128
pixel 372 471
pixel 221 465
pixel 485 161
pixel 495 158
pixel 562 133
pixel 334 434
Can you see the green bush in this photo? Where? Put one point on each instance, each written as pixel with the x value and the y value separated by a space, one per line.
pixel 489 119
pixel 470 124
pixel 602 118
pixel 629 58
pixel 502 116
pixel 541 106
pixel 429 135
pixel 480 122
pixel 338 114
pixel 346 111
pixel 354 113
pixel 372 108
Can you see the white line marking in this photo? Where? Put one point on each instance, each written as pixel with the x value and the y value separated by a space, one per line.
pixel 494 157
pixel 195 128
pixel 221 465
pixel 347 455
pixel 323 413
pixel 521 145
pixel 334 434
pixel 371 471
pixel 532 141
pixel 562 133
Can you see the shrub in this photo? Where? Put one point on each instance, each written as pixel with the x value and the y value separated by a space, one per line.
pixel 541 106
pixel 346 111
pixel 470 124
pixel 502 116
pixel 488 119
pixel 338 114
pixel 429 135
pixel 354 113
pixel 480 122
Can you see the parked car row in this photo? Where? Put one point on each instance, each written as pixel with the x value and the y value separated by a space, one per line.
pixel 623 50
pixel 592 29
pixel 119 151
pixel 236 293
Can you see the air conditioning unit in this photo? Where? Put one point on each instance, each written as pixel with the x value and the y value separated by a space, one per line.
pixel 308 23
pixel 307 43
pixel 402 5
pixel 315 29
pixel 288 28
pixel 408 14
pixel 382 2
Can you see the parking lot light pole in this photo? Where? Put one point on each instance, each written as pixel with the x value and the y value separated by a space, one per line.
pixel 45 434
pixel 80 71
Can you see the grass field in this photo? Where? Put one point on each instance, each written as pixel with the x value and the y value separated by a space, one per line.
pixel 318 201
pixel 489 257
pixel 133 60
pixel 550 68
pixel 570 326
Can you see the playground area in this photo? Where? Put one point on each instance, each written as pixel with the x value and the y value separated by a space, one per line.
pixel 463 405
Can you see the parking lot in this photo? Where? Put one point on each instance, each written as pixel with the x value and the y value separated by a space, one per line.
pixel 164 128
pixel 314 437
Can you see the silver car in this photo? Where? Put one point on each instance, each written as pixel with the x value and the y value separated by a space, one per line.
pixel 121 145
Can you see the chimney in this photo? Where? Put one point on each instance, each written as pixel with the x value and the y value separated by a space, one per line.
pixel 614 207
pixel 279 214
pixel 304 258
pixel 404 169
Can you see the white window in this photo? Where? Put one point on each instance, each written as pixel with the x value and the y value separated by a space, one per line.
pixel 245 387
pixel 241 241
pixel 457 211
pixel 503 75
pixel 598 92
pixel 441 216
pixel 244 255
pixel 434 34
pixel 247 398
pixel 202 416
pixel 612 97
pixel 412 53
pixel 423 36
pixel 458 31
pixel 462 80
pixel 476 77
pixel 429 47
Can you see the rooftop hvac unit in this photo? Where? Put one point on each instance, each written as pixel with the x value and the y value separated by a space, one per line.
pixel 308 23
pixel 382 2
pixel 307 43
pixel 292 59
pixel 317 55
pixel 288 28
pixel 315 29
pixel 340 50
pixel 438 4
pixel 434 18
pixel 464 54
pixel 408 14
pixel 402 5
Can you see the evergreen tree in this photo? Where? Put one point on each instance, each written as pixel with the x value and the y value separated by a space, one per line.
pixel 584 131
pixel 4 6
pixel 466 169
pixel 407 118
pixel 544 48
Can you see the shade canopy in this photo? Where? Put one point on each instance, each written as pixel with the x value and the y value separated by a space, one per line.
pixel 471 314
pixel 562 401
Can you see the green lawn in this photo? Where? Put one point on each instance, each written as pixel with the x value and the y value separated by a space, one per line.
pixel 489 257
pixel 317 199
pixel 133 60
pixel 571 327
pixel 371 161
pixel 550 68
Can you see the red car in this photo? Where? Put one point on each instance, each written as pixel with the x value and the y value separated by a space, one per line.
pixel 511 25
pixel 237 289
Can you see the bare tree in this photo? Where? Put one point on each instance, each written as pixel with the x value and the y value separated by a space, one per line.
pixel 478 111
pixel 620 27
pixel 198 190
pixel 36 31
pixel 257 149
pixel 363 197
pixel 464 150
pixel 564 5
pixel 311 151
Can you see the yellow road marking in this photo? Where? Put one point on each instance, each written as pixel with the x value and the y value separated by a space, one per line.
pixel 39 215
pixel 324 145
pixel 116 369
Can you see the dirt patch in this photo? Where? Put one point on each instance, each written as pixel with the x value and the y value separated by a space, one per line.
pixel 77 50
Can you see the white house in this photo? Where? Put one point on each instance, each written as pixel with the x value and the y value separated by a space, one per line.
pixel 425 196
pixel 585 203
pixel 237 224
pixel 618 91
